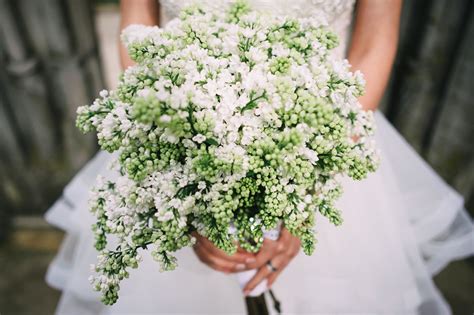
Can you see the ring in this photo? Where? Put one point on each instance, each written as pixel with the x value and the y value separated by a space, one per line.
pixel 271 267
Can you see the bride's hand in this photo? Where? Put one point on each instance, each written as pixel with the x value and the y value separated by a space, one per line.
pixel 217 259
pixel 278 253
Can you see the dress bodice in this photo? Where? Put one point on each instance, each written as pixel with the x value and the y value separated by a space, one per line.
pixel 336 13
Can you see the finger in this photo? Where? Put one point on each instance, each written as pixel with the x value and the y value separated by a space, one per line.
pixel 280 262
pixel 216 262
pixel 238 257
pixel 247 257
pixel 207 259
pixel 283 240
pixel 242 250
pixel 284 259
pixel 295 247
pixel 274 275
pixel 266 252
pixel 261 274
pixel 222 263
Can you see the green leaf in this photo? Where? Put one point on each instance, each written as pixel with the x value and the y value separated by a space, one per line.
pixel 186 190
pixel 211 141
pixel 249 106
pixel 252 103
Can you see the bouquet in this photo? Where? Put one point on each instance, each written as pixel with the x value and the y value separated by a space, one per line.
pixel 231 123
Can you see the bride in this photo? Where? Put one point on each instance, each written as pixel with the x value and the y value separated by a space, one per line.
pixel 402 225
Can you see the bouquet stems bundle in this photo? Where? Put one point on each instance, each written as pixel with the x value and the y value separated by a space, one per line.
pixel 230 123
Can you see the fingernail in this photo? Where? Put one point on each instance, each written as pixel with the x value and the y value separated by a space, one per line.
pixel 250 260
pixel 240 267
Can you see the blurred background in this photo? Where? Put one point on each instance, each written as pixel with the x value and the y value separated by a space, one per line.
pixel 57 54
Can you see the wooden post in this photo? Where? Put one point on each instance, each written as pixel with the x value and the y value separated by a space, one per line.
pixel 49 65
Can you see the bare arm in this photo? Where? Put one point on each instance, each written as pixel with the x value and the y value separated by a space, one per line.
pixel 136 12
pixel 374 44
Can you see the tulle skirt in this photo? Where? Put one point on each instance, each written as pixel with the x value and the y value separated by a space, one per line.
pixel 402 225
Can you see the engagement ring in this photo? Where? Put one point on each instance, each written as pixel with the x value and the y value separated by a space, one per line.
pixel 271 267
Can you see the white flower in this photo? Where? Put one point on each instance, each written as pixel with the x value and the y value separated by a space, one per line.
pixel 199 138
pixel 165 118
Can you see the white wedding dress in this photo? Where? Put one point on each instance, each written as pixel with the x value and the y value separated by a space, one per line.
pixel 401 226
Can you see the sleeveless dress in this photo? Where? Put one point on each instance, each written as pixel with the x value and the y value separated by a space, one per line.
pixel 402 225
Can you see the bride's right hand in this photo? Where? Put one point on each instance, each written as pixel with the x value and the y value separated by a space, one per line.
pixel 217 259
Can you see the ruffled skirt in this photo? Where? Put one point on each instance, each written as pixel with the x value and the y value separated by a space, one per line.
pixel 402 225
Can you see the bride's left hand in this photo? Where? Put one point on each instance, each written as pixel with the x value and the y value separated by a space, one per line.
pixel 279 253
